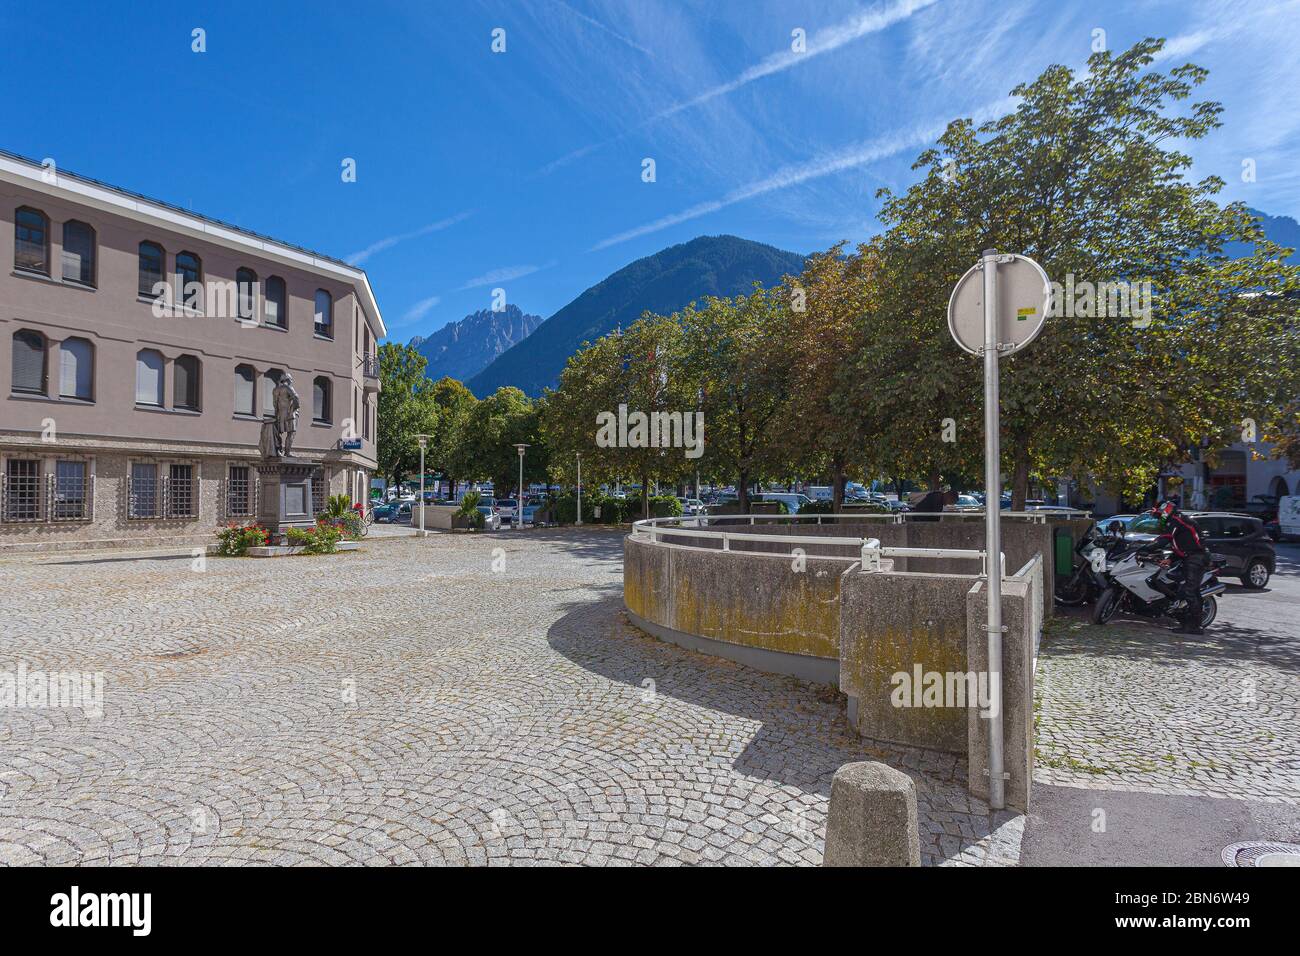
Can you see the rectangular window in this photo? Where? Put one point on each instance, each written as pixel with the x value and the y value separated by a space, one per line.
pixel 143 501
pixel 181 497
pixel 239 491
pixel 70 490
pixel 22 490
pixel 149 378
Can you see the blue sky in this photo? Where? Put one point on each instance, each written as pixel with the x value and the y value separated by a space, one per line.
pixel 523 169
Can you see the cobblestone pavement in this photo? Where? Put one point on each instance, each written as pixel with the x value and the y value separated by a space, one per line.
pixel 1131 706
pixel 410 704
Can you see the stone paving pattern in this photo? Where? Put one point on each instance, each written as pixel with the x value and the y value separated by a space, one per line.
pixel 1132 706
pixel 412 705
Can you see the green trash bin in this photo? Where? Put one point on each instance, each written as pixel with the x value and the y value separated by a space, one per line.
pixel 1063 551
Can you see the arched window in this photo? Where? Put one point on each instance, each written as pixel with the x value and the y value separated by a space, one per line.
pixel 31 240
pixel 76 369
pixel 149 378
pixel 276 305
pixel 270 379
pixel 185 383
pixel 245 389
pixel 321 394
pixel 189 272
pixel 246 281
pixel 152 267
pixel 78 252
pixel 29 362
pixel 324 316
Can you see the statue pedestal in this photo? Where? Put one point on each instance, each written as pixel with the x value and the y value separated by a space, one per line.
pixel 285 498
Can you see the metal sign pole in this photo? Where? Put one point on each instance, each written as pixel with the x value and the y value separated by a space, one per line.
pixel 993 526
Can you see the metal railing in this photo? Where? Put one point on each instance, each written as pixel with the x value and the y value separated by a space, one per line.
pixel 869 550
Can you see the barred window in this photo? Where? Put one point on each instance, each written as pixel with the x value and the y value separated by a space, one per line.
pixel 22 490
pixel 143 501
pixel 181 497
pixel 239 491
pixel 319 483
pixel 70 487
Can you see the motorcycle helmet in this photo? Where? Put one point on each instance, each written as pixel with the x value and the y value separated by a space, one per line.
pixel 1168 508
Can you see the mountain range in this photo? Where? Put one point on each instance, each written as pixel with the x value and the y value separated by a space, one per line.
pixel 463 349
pixel 484 349
pixel 662 283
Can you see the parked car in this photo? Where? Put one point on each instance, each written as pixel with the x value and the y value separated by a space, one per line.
pixel 968 503
pixel 1239 539
pixel 692 506
pixel 393 512
pixel 793 501
pixel 506 509
pixel 491 519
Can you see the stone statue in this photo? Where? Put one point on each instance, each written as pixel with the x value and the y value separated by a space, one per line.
pixel 284 401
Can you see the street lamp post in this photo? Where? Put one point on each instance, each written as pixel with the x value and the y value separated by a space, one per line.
pixel 579 489
pixel 520 447
pixel 424 443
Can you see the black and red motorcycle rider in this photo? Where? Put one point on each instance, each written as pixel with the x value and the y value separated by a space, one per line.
pixel 1181 536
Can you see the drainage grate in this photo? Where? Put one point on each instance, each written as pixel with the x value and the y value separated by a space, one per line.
pixel 1261 854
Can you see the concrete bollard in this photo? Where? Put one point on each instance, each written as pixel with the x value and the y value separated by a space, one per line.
pixel 872 818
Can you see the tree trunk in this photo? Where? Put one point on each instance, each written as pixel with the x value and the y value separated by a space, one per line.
pixel 837 485
pixel 936 479
pixel 742 490
pixel 1019 478
pixel 645 496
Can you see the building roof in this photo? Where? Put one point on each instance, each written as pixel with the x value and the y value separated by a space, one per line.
pixel 87 191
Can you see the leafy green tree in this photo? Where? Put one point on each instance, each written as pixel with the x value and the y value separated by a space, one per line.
pixel 454 402
pixel 641 368
pixel 482 441
pixel 1082 176
pixel 738 364
pixel 406 408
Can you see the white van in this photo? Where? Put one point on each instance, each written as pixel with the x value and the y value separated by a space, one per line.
pixel 1288 516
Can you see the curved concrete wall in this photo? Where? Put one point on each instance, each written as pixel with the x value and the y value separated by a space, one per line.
pixel 755 608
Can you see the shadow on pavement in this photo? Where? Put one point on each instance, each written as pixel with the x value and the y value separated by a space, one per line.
pixel 801 735
pixel 1150 640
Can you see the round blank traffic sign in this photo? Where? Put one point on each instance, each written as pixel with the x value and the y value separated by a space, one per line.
pixel 1024 296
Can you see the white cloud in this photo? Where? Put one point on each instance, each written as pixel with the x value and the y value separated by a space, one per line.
pixel 357 258
pixel 420 309
pixel 499 275
pixel 603 28
pixel 859 154
pixel 821 41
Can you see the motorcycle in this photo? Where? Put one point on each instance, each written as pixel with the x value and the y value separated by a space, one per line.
pixel 1147 584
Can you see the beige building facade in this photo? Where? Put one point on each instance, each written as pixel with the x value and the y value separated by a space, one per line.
pixel 141 345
